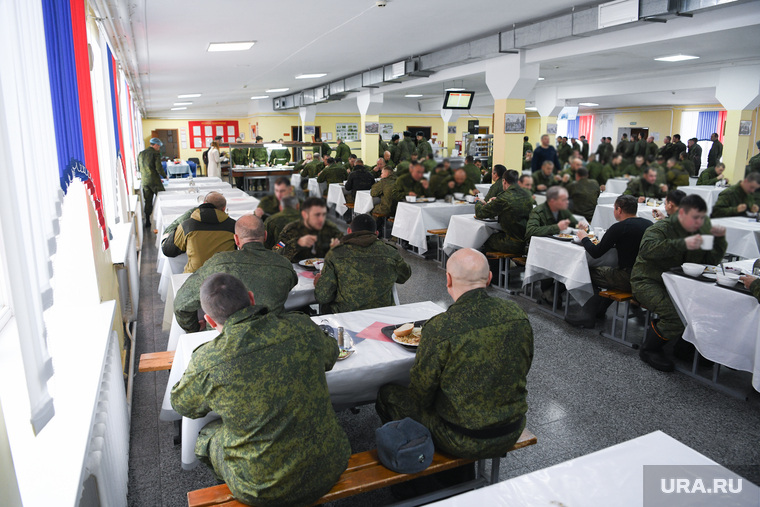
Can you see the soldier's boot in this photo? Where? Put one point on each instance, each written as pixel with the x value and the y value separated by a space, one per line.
pixel 651 350
pixel 587 315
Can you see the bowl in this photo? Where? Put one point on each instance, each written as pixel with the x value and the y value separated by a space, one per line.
pixel 411 198
pixel 728 280
pixel 692 269
pixel 458 195
pixel 471 198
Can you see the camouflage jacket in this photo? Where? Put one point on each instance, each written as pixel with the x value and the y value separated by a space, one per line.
pixel 312 169
pixel 716 151
pixel 542 222
pixel 436 183
pixel 151 170
pixel 288 243
pixel 753 165
pixel 563 153
pixel 343 152
pixel 258 155
pixel 708 177
pixel 428 163
pixel 651 151
pixel 663 248
pixel 405 184
pixel 423 148
pixel 639 187
pixel 479 341
pixel 384 190
pixel 333 174
pixel 598 172
pixel 279 436
pixel 634 170
pixel 678 175
pixel 755 289
pixel 270 204
pixel 206 232
pixel 513 208
pixel 169 231
pixel 527 147
pixel 584 194
pixel 277 222
pixel 279 157
pixel 239 156
pixel 325 150
pixel 497 188
pixel 406 148
pixel 468 187
pixel 268 275
pixel 540 178
pixel 473 173
pixel 730 199
pixel 359 274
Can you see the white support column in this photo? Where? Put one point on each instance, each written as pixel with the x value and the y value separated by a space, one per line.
pixel 738 91
pixel 370 106
pixel 450 117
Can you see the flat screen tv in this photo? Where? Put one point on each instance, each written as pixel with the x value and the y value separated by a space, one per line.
pixel 458 100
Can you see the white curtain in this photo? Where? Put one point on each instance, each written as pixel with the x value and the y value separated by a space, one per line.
pixel 688 125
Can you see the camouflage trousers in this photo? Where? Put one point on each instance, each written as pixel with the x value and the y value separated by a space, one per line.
pixel 655 297
pixel 396 402
pixel 148 194
pixel 501 242
pixel 611 278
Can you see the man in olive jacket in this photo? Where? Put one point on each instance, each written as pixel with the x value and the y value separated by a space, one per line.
pixel 552 216
pixel 278 441
pixel 267 274
pixel 512 207
pixel 151 172
pixel 277 222
pixel 360 272
pixel 479 341
pixel 738 199
pixel 384 190
pixel 412 183
pixel 342 151
pixel 312 236
pixel 584 194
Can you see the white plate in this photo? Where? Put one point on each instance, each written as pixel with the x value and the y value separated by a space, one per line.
pixel 711 276
pixel 310 262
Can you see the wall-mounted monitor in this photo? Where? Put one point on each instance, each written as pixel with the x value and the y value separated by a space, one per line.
pixel 458 100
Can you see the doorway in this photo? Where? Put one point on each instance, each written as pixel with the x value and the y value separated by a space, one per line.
pixel 635 132
pixel 296 133
pixel 170 138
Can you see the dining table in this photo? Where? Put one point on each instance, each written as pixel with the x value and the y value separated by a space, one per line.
pixel 742 235
pixel 414 219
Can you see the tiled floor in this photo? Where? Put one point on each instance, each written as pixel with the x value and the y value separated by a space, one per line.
pixel 585 393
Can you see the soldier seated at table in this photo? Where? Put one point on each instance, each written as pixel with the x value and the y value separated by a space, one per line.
pixel 666 245
pixel 384 190
pixel 459 183
pixel 677 173
pixel 332 173
pixel 289 212
pixel 526 183
pixel 208 230
pixel 361 271
pixel 271 276
pixel 378 168
pixel 637 168
pixel 278 441
pixel 738 199
pixel 497 187
pixel 646 186
pixel 625 236
pixel 312 236
pixel 308 159
pixel 472 169
pixel 713 175
pixel 552 216
pixel 512 207
pixel 312 169
pixel 472 399
pixel 545 178
pixel 359 179
pixel 270 204
pixel 411 184
pixel 403 167
pixel 583 193
pixel 437 178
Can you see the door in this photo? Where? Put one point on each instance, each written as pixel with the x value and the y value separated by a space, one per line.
pixel 170 138
pixel 426 131
pixel 636 132
pixel 297 134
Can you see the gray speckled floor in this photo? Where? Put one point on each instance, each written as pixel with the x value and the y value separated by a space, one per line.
pixel 585 393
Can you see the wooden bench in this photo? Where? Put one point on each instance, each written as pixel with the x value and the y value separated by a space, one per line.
pixel 440 255
pixel 627 299
pixel 365 473
pixel 502 275
pixel 156 361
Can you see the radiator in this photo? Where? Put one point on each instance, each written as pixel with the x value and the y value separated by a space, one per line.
pixel 106 467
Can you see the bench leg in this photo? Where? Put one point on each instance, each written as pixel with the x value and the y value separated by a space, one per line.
pixel 623 321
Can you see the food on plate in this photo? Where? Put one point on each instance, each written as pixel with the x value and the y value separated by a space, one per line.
pixel 311 262
pixel 409 335
pixel 344 353
pixel 404 330
pixel 565 236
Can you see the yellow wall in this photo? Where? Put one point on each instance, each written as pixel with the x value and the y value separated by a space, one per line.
pixel 533 128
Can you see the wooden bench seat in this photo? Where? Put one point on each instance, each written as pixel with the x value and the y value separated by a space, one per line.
pixel 627 299
pixel 156 361
pixel 437 232
pixel 501 280
pixel 364 473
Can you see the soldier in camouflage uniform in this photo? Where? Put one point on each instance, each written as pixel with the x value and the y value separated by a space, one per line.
pixel 332 173
pixel 312 236
pixel 258 155
pixel 342 151
pixel 268 275
pixel 667 150
pixel 712 175
pixel 395 150
pixel 412 183
pixel 151 172
pixel 239 157
pixel 387 156
pixel 544 178
pixel 456 361
pixel 270 204
pixel 651 149
pixel 313 168
pixel 677 174
pixel 678 146
pixel 473 172
pixel 459 183
pixel 584 194
pixel 384 190
pixel 403 167
pixel 277 222
pixel 280 156
pixel 512 207
pixel 541 221
pixel 302 163
pixel 637 168
pixel 324 148
pixel 668 244
pixel 738 199
pixel 428 162
pixel 753 165
pixel 584 149
pixel 406 147
pixel 563 153
pixel 360 272
pixel 752 283
pixel 646 186
pixel 526 145
pixel 497 187
pixel 423 147
pixel 278 441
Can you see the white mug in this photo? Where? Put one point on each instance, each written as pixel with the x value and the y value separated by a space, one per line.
pixel 707 242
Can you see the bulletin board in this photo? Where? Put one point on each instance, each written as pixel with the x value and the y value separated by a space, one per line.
pixel 203 132
pixel 347 131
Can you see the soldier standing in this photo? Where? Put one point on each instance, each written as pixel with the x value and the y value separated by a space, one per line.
pixel 151 172
pixel 716 151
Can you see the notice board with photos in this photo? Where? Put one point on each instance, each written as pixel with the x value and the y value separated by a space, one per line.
pixel 347 131
pixel 202 133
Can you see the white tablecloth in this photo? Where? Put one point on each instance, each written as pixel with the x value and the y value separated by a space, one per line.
pixel 483 188
pixel 709 193
pixel 365 202
pixel 612 476
pixel 183 185
pixel 414 220
pixel 200 180
pixel 351 382
pixel 336 197
pixel 742 234
pixel 564 261
pixel 616 185
pixel 723 324
pixel 607 198
pixel 174 169
pixel 465 231
pixel 604 214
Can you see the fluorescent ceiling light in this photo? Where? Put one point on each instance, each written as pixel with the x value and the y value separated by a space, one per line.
pixel 178 108
pixel 455 89
pixel 413 95
pixel 676 58
pixel 182 103
pixel 257 97
pixel 590 104
pixel 310 76
pixel 278 90
pixel 541 78
pixel 230 46
pixel 531 109
pixel 189 96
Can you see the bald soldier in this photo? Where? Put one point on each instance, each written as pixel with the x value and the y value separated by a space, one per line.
pixel 262 271
pixel 479 341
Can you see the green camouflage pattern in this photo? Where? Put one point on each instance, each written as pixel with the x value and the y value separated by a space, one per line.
pixel 406 147
pixel 437 185
pixel 384 190
pixel 239 156
pixel 343 152
pixel 716 151
pixel 423 149
pixel 639 187
pixel 708 177
pixel 496 189
pixel 479 341
pixel 279 157
pixel 539 178
pixel 526 165
pixel 688 167
pixel 295 230
pixel 755 289
pixel 597 172
pixel 335 173
pixel 584 194
pixel 611 278
pixel 169 231
pixel 584 151
pixel 564 151
pixel 663 248
pixel 651 151
pixel 276 223
pixel 269 276
pixel 467 187
pixel 513 207
pixel 258 155
pixel 678 175
pixel 395 150
pixel 405 184
pixel 360 274
pixel 473 173
pixel 325 150
pixel 527 147
pixel 402 168
pixel 429 164
pixel 635 170
pixel 753 165
pixel 278 441
pixel 312 169
pixel 151 170
pixel 270 204
pixel 542 223
pixel 730 199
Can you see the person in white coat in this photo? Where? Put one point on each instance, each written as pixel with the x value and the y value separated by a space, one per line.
pixel 214 162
